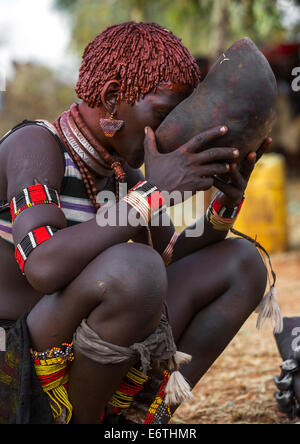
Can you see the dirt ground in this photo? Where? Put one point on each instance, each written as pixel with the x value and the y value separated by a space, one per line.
pixel 238 389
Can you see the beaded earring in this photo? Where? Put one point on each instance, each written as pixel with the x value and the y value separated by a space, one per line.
pixel 111 126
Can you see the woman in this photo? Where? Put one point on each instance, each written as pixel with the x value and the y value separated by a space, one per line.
pixel 132 75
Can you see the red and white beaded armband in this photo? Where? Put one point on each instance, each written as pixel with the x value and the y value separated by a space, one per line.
pixel 33 195
pixel 30 242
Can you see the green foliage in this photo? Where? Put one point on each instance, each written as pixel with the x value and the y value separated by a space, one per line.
pixel 33 93
pixel 206 26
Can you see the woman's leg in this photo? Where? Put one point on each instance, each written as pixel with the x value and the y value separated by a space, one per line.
pixel 122 302
pixel 17 297
pixel 211 294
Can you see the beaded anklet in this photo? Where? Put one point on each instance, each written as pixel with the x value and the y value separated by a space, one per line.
pixel 62 354
pixel 52 369
pixel 159 409
pixel 132 384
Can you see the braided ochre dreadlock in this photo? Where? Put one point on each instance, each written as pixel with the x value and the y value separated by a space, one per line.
pixel 140 56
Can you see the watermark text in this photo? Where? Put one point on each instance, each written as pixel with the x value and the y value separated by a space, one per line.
pixel 185 210
pixel 296 80
pixel 2 340
pixel 296 341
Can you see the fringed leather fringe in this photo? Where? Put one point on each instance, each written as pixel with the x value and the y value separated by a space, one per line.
pixel 269 307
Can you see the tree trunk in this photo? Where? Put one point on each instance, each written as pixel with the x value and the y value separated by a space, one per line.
pixel 221 19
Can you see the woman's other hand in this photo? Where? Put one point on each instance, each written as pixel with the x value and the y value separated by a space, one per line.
pixel 234 189
pixel 190 167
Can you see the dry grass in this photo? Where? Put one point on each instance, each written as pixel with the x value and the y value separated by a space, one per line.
pixel 238 389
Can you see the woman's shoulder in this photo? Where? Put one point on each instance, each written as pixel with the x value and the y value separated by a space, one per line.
pixel 30 149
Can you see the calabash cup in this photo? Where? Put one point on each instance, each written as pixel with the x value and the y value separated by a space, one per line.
pixel 239 91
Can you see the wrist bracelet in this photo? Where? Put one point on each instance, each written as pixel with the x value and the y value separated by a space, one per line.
pixel 224 212
pixel 146 199
pixel 221 217
pixel 140 205
pixel 168 252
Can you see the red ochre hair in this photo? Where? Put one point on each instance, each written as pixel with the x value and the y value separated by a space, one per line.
pixel 140 56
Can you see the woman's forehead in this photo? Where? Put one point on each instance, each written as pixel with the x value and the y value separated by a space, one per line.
pixel 175 87
pixel 169 93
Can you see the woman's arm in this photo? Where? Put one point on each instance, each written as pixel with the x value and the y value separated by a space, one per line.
pixel 188 168
pixel 34 157
pixel 230 195
pixel 59 260
pixel 163 230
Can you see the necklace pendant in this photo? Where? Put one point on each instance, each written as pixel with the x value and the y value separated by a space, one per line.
pixel 111 126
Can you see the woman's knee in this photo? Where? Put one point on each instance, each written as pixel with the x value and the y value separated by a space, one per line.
pixel 139 281
pixel 127 281
pixel 247 269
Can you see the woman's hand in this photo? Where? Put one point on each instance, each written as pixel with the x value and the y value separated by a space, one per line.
pixel 233 190
pixel 186 169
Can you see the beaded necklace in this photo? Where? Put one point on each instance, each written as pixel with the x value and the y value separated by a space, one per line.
pixel 87 152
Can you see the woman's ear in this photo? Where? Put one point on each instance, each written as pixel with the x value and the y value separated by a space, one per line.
pixel 110 94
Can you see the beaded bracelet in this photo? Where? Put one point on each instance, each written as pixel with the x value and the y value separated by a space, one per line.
pixel 221 217
pixel 30 242
pixel 146 199
pixel 140 205
pixel 34 195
